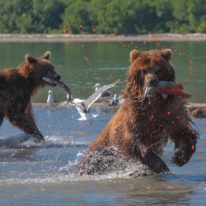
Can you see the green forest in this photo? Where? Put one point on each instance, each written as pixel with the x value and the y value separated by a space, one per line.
pixel 102 16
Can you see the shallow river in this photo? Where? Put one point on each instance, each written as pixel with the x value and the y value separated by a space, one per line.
pixel 44 175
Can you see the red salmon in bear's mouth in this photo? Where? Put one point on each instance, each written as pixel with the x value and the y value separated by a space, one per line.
pixel 166 88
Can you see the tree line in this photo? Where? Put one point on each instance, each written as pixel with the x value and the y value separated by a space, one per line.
pixel 102 16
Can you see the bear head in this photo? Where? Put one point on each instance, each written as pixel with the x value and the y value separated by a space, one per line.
pixel 41 71
pixel 146 70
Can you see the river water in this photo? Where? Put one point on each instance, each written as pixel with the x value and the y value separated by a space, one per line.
pixel 33 174
pixel 82 65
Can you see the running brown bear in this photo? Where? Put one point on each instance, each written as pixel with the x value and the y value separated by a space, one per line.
pixel 17 85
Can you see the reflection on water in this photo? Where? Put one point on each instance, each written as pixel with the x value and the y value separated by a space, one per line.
pixel 33 174
pixel 84 64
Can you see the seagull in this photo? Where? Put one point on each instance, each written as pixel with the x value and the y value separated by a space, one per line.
pixel 105 93
pixel 114 101
pixel 83 106
pixel 79 104
pixel 53 104
pixel 50 99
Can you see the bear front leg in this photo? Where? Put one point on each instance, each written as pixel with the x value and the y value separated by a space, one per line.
pixel 152 160
pixel 185 140
pixel 25 122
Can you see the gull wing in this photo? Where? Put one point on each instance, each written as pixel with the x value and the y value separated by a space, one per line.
pixel 97 94
pixel 79 104
pixel 81 112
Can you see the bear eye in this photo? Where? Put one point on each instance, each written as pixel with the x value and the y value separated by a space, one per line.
pixel 50 67
pixel 158 71
pixel 154 69
pixel 144 71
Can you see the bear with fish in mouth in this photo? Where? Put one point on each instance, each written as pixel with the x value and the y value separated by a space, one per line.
pixel 153 112
pixel 17 85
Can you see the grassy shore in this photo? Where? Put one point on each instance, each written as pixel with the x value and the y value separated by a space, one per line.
pixel 99 37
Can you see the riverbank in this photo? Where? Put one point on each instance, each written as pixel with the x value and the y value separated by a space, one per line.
pixel 100 37
pixel 197 110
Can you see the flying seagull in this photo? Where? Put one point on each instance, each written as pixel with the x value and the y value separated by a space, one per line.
pixel 83 106
pixel 104 94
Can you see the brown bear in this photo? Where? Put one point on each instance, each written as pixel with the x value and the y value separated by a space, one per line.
pixel 146 120
pixel 18 85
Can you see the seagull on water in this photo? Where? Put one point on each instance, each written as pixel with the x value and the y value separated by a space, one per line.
pixel 53 104
pixel 114 101
pixel 83 106
pixel 50 99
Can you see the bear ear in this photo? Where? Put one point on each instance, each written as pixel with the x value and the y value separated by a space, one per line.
pixel 133 55
pixel 166 53
pixel 47 55
pixel 29 59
